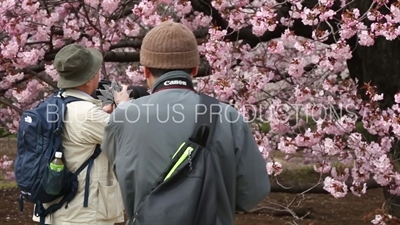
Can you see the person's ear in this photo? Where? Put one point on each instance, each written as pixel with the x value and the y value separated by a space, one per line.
pixel 147 72
pixel 88 84
pixel 194 71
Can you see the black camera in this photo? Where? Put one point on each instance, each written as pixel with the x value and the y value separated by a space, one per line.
pixel 135 92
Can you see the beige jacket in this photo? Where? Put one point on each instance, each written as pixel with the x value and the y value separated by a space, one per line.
pixel 84 128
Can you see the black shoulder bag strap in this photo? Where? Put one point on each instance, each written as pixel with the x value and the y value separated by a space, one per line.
pixel 206 118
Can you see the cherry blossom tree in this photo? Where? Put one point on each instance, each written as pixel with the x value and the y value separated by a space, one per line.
pixel 315 78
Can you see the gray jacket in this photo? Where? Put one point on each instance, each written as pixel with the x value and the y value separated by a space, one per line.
pixel 143 135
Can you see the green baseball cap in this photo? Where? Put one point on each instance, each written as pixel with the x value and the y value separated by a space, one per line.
pixel 77 65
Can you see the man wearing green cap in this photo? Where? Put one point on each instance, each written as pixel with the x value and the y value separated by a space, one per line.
pixel 78 68
pixel 143 135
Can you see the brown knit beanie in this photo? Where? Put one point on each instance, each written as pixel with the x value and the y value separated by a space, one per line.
pixel 169 45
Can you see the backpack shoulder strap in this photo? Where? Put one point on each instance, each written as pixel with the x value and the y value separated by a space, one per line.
pixel 207 112
pixel 206 118
pixel 63 110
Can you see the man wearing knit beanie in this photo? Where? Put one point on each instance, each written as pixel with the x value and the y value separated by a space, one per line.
pixel 143 138
pixel 168 47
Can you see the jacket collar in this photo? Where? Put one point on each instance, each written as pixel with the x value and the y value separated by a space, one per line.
pixel 170 75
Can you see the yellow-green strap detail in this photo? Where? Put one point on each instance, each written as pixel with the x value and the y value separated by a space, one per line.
pixel 179 149
pixel 179 162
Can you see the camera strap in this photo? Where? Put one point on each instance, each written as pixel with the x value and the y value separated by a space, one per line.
pixel 174 83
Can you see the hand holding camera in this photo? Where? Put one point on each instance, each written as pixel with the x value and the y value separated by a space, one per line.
pixel 112 94
pixel 121 96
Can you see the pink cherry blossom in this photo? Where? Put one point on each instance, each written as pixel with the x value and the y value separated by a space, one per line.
pixel 274 168
pixel 337 188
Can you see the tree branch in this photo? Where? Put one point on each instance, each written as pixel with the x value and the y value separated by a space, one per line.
pixel 125 9
pixel 3 91
pixel 246 33
pixel 5 102
pixel 135 43
pixel 42 76
pixel 295 188
pixel 111 56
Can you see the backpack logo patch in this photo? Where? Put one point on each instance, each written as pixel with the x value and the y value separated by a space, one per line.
pixel 28 119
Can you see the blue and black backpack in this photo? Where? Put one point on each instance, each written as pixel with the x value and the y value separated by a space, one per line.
pixel 39 137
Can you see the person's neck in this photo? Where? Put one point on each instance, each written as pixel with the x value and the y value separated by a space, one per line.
pixel 84 90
